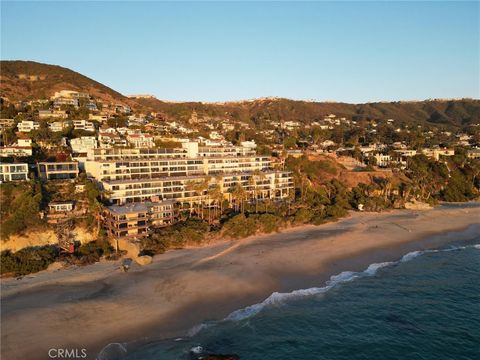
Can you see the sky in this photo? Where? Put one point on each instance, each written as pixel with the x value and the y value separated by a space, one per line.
pixel 218 51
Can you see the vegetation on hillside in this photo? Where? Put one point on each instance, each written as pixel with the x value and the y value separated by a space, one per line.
pixel 51 78
pixel 48 79
pixel 320 198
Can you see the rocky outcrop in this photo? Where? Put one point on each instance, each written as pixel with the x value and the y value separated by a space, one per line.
pixel 41 238
pixel 417 205
pixel 144 260
pixel 33 238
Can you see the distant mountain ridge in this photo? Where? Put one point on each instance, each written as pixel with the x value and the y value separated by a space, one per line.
pixel 28 80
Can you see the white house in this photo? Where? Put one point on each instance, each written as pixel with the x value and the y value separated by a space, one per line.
pixel 383 160
pixel 13 172
pixel 83 144
pixel 6 151
pixel 24 142
pixel 58 126
pixel 60 206
pixel 141 140
pixel 28 125
pixel 84 125
pixel 58 114
pixel 107 139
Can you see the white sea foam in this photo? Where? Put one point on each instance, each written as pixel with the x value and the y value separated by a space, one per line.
pixel 280 298
pixel 196 329
pixel 196 349
pixel 113 351
pixel 373 268
pixel 342 277
pixel 411 255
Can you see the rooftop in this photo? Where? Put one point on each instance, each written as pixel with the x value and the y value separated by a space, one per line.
pixel 136 207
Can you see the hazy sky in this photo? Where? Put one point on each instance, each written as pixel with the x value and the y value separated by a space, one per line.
pixel 214 51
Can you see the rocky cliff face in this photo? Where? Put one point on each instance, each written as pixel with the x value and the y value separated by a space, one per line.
pixel 41 238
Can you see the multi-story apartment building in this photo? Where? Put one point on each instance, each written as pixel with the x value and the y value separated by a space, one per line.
pixel 13 172
pixel 57 170
pixel 136 220
pixel 185 174
pixel 28 125
pixel 101 154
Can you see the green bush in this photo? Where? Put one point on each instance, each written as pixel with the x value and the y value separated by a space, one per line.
pixel 302 216
pixel 269 223
pixel 92 251
pixel 191 231
pixel 27 260
pixel 240 227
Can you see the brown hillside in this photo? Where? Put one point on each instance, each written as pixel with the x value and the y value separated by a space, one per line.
pixel 25 80
pixel 29 80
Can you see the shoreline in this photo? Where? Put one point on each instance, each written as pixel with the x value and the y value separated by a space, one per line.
pixel 183 288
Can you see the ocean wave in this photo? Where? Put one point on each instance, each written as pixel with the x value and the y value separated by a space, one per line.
pixel 197 328
pixel 196 349
pixel 414 254
pixel 411 255
pixel 277 298
pixel 112 351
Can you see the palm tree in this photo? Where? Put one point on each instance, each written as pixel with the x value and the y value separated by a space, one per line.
pixel 238 193
pixel 215 194
pixel 190 186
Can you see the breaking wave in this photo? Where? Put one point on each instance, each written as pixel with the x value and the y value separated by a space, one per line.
pixel 278 298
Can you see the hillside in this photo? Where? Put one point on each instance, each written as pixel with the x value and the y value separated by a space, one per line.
pixel 449 113
pixel 26 80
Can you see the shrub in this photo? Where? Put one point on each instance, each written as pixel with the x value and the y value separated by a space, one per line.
pixel 92 251
pixel 27 260
pixel 176 236
pixel 302 216
pixel 240 226
pixel 269 223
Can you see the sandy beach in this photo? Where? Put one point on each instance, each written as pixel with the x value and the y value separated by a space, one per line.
pixel 89 307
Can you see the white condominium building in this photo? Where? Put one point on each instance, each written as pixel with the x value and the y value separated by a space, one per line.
pixel 195 189
pixel 185 174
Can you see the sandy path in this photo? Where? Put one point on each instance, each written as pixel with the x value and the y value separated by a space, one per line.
pixel 91 306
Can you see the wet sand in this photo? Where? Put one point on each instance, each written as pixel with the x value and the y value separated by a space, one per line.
pixel 89 307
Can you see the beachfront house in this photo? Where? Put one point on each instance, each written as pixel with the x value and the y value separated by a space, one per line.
pixel 136 220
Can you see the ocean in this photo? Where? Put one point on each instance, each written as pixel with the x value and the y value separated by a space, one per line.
pixel 426 306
